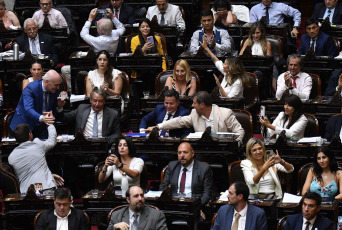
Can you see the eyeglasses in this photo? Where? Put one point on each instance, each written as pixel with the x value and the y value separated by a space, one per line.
pixel 45 4
pixel 31 29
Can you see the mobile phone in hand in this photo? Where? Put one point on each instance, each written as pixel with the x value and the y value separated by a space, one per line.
pixel 150 39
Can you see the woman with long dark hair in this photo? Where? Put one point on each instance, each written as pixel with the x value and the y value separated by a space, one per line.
pixel 36 70
pixel 292 120
pixel 324 177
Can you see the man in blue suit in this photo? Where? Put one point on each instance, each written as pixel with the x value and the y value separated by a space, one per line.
pixel 309 218
pixel 38 103
pixel 321 42
pixel 122 11
pixel 238 214
pixel 329 8
pixel 169 110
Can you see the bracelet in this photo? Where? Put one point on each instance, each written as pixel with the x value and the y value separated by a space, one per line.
pixel 121 166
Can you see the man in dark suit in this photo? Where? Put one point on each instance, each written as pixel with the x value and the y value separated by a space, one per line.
pixel 95 120
pixel 334 84
pixel 167 111
pixel 334 125
pixel 238 211
pixel 37 43
pixel 309 218
pixel 330 9
pixel 137 215
pixel 38 99
pixel 322 43
pixel 63 216
pixel 123 11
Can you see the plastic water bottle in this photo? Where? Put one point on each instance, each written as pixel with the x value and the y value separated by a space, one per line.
pixel 124 184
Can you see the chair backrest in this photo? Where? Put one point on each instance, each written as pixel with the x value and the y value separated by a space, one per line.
pixel 1 91
pixel 128 40
pixel 8 182
pixel 9 168
pixel 246 121
pixel 251 94
pixel 6 125
pixel 281 223
pixel 213 219
pixel 162 173
pixel 316 89
pixel 302 173
pixel 162 77
pixel 97 171
pixel 312 127
pixel 276 41
pixel 123 206
pixel 235 172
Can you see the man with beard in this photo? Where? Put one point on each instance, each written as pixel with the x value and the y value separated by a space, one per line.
pixel 136 215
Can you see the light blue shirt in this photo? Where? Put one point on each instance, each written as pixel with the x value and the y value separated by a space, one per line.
pixel 331 14
pixel 277 12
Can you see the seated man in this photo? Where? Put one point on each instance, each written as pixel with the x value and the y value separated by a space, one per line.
pixel 238 214
pixel 137 215
pixel 322 43
pixel 218 39
pixel 334 84
pixel 167 14
pixel 95 120
pixel 297 82
pixel 63 216
pixel 121 11
pixel 334 126
pixel 36 42
pixel 53 16
pixel 29 162
pixel 169 110
pixel 328 9
pixel 204 115
pixel 309 218
pixel 38 98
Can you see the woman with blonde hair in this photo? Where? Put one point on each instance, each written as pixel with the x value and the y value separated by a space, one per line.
pixel 181 81
pixel 8 17
pixel 261 173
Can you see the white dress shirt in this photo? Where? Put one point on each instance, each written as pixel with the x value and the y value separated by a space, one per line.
pixel 131 218
pixel 88 131
pixel 55 17
pixel 188 179
pixel 173 15
pixel 209 122
pixel 242 219
pixel 331 14
pixel 311 223
pixel 62 222
pixel 118 10
pixel 303 82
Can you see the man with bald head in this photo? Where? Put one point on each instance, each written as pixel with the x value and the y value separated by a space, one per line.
pixel 36 42
pixel 38 103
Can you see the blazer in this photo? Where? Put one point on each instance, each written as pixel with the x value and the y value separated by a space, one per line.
pixel 30 106
pixel 224 121
pixel 202 179
pixel 320 9
pixel 325 45
pixel 110 121
pixel 127 14
pixel 295 222
pixel 255 219
pixel 157 116
pixel 330 90
pixel 47 46
pixel 333 126
pixel 76 220
pixel 150 219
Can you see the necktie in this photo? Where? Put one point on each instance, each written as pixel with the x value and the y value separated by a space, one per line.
pixel 267 16
pixel 182 182
pixel 135 222
pixel 95 125
pixel 46 101
pixel 329 14
pixel 117 14
pixel 162 19
pixel 164 131
pixel 294 81
pixel 313 43
pixel 236 222
pixel 34 48
pixel 307 225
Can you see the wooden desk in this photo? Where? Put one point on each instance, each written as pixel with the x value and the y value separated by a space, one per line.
pixel 7 36
pixel 147 62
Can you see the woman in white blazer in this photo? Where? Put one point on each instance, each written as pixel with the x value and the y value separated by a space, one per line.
pixel 261 173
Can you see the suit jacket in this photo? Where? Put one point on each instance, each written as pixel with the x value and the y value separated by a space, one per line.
pixel 127 14
pixel 47 46
pixel 224 121
pixel 333 126
pixel 202 179
pixel 110 121
pixel 76 220
pixel 325 45
pixel 255 219
pixel 30 106
pixel 330 90
pixel 320 9
pixel 150 219
pixel 157 116
pixel 295 222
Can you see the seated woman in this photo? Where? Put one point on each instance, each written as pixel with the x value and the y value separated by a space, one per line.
pixel 123 161
pixel 257 40
pixel 140 41
pixel 234 75
pixel 104 76
pixel 36 70
pixel 324 177
pixel 223 12
pixel 8 17
pixel 181 81
pixel 292 120
pixel 261 173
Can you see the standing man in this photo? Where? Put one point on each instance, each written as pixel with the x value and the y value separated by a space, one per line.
pixel 309 217
pixel 329 9
pixel 238 214
pixel 297 82
pixel 137 215
pixel 121 11
pixel 217 38
pixel 63 216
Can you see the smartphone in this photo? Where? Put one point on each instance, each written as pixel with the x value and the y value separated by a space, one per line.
pixel 101 11
pixel 150 39
pixel 39 189
pixel 263 112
